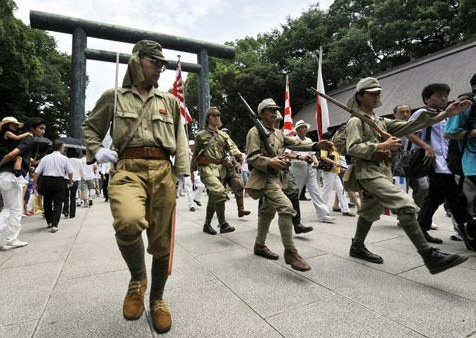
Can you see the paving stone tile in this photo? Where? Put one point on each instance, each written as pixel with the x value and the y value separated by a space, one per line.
pixel 429 311
pixel 198 243
pixel 264 285
pixel 90 307
pixel 214 311
pixel 18 330
pixel 25 291
pixel 456 283
pixel 335 316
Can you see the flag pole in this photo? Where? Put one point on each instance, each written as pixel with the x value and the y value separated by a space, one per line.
pixel 179 66
pixel 116 84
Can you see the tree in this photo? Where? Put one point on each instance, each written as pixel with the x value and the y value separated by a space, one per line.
pixel 359 38
pixel 34 76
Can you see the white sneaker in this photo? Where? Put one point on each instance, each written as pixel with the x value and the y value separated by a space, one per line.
pixel 327 219
pixel 14 244
pixel 54 229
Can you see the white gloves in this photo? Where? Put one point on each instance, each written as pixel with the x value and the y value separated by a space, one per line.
pixel 106 155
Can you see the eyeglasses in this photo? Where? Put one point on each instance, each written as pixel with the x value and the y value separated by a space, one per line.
pixel 158 63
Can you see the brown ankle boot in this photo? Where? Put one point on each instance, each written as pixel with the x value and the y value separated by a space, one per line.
pixel 263 251
pixel 241 209
pixel 133 306
pixel 296 261
pixel 161 317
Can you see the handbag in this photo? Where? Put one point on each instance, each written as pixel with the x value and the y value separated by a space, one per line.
pixel 413 163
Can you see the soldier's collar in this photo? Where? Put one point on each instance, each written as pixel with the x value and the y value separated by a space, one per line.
pixel 133 89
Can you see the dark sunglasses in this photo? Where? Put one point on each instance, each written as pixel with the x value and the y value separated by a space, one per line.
pixel 158 63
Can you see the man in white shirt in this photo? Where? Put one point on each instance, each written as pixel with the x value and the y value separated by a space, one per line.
pixel 305 173
pixel 54 168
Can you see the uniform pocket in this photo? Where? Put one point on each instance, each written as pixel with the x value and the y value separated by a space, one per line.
pixel 163 129
pixel 124 121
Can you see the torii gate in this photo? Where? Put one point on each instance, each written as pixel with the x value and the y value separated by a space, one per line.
pixel 82 29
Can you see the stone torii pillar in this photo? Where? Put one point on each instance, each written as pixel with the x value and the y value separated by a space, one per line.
pixel 82 29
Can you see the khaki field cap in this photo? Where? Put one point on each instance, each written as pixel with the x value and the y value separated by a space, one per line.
pixel 213 110
pixel 267 103
pixel 144 48
pixel 368 84
pixel 10 119
pixel 300 124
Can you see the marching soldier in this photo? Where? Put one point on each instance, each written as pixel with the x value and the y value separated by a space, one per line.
pixel 371 172
pixel 267 181
pixel 210 157
pixel 146 130
pixel 234 182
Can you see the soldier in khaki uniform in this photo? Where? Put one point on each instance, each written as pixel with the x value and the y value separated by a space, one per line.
pixel 209 156
pixel 267 181
pixel 142 187
pixel 371 172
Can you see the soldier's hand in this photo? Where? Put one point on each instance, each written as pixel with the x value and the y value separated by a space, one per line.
pixel 277 163
pixel 324 145
pixel 239 158
pixel 106 155
pixel 228 163
pixel 457 107
pixel 392 143
pixel 306 158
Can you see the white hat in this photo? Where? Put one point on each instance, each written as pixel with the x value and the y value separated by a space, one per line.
pixel 191 143
pixel 300 124
pixel 267 103
pixel 10 119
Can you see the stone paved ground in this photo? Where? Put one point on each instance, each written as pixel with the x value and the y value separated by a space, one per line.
pixel 71 284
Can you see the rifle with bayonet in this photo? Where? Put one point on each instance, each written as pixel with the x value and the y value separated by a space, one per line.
pixel 263 132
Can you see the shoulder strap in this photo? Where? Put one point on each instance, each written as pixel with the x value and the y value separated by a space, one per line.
pixel 131 133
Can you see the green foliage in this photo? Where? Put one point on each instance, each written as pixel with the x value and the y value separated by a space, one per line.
pixel 359 38
pixel 34 76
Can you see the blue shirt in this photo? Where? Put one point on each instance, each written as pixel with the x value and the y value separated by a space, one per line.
pixel 437 142
pixel 457 124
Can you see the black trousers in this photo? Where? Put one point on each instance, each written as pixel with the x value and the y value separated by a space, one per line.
pixel 69 207
pixel 53 196
pixel 105 183
pixel 443 187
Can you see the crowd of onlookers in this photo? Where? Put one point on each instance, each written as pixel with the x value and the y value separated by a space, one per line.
pixel 50 181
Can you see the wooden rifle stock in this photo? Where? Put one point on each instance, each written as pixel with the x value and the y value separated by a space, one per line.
pixel 361 116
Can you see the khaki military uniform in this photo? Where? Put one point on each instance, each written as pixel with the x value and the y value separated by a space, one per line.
pixel 141 190
pixel 370 172
pixel 215 145
pixel 268 184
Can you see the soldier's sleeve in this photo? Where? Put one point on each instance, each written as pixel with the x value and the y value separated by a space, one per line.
pixel 402 128
pixel 355 144
pixel 253 151
pixel 198 146
pixel 96 125
pixel 232 148
pixel 182 159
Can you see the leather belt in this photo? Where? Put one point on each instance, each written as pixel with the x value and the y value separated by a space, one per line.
pixel 155 153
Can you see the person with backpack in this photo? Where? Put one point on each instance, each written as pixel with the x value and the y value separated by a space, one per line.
pixel 442 185
pixel 371 172
pixel 463 129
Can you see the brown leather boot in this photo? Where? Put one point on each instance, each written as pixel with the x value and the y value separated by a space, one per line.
pixel 241 209
pixel 161 318
pixel 133 306
pixel 263 251
pixel 296 261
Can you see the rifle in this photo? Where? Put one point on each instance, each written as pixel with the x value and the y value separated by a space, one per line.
pixel 361 116
pixel 263 132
